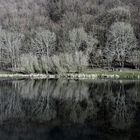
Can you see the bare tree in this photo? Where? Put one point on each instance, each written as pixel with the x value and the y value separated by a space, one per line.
pixel 10 44
pixel 80 40
pixel 44 42
pixel 120 42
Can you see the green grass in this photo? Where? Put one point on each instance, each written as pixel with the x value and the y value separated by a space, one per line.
pixel 123 74
pixel 6 72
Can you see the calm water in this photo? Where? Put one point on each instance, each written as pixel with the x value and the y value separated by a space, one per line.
pixel 69 110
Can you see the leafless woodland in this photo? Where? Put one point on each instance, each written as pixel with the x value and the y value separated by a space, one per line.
pixel 55 36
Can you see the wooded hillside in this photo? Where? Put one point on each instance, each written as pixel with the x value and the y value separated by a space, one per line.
pixel 55 36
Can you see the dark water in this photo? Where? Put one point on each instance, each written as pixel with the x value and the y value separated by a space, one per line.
pixel 69 110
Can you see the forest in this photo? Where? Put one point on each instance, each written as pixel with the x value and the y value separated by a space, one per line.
pixel 62 36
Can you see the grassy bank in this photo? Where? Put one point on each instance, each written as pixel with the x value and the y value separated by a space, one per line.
pixel 87 74
pixel 122 74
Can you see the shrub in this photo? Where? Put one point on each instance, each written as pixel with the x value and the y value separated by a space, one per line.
pixel 61 63
pixel 29 64
pixel 47 65
pixel 70 62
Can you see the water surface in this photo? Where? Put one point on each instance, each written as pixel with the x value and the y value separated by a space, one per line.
pixel 69 109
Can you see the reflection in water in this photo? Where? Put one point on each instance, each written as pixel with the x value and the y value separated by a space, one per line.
pixel 83 108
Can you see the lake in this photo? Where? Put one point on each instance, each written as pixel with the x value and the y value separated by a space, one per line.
pixel 69 110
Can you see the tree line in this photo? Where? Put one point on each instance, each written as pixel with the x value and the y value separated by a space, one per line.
pixel 55 36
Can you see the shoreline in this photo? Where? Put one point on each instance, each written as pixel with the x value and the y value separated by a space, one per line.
pixel 92 76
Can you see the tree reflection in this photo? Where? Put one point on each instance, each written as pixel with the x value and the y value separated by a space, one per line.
pixel 120 106
pixel 10 103
pixel 70 101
